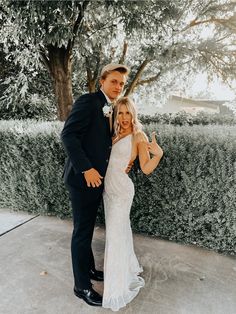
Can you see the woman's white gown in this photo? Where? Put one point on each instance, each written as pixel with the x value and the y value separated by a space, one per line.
pixel 121 267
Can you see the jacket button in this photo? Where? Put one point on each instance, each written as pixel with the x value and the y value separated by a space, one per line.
pixel 106 160
pixel 110 147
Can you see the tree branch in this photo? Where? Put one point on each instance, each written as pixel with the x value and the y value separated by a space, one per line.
pixel 149 80
pixel 125 47
pixel 187 5
pixel 105 26
pixel 133 84
pixel 217 69
pixel 92 77
pixel 219 55
pixel 45 61
pixel 79 20
pixel 205 9
pixel 3 11
pixel 195 22
pixel 76 26
pixel 89 74
pixel 98 58
pixel 225 7
pixel 222 38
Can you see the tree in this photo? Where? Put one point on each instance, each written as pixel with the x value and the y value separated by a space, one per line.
pixel 177 47
pixel 46 30
pixel 158 39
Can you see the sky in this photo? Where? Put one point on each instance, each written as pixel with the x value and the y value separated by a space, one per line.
pixel 216 89
pixel 197 87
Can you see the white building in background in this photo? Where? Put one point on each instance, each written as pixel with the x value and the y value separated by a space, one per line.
pixel 193 106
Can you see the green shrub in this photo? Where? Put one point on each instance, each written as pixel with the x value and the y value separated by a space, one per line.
pixel 184 118
pixel 32 160
pixel 189 198
pixel 33 108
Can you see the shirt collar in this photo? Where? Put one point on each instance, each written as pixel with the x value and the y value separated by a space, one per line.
pixel 107 98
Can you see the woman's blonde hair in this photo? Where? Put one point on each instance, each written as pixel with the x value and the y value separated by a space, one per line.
pixel 137 126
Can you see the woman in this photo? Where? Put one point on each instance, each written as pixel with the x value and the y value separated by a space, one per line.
pixel 121 268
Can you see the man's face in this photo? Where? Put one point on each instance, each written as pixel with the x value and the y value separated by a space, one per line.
pixel 113 84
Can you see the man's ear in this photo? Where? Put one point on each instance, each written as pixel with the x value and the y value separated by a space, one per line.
pixel 101 81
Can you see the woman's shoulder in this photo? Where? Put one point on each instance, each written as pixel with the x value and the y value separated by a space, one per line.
pixel 140 136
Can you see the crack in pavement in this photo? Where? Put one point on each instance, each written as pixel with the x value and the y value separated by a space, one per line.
pixel 20 224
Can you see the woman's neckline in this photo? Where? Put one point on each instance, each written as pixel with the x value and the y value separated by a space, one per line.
pixel 121 138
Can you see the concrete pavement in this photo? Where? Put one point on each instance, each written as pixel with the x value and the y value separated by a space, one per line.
pixel 36 276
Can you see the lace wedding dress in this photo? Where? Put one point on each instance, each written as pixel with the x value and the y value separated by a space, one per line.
pixel 121 267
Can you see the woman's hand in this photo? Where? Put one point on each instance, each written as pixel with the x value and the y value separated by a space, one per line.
pixel 130 164
pixel 154 148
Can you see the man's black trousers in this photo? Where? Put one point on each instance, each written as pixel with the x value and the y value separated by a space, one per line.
pixel 85 203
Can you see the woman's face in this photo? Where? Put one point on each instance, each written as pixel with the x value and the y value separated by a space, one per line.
pixel 124 118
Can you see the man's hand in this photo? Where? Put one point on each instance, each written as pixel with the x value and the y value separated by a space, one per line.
pixel 93 178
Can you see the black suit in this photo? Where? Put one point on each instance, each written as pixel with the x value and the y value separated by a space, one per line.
pixel 87 141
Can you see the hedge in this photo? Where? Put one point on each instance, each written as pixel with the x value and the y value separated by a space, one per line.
pixel 189 198
pixel 31 167
pixel 184 118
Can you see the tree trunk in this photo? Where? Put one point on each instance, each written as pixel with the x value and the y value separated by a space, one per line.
pixel 133 84
pixel 91 81
pixel 60 70
pixel 58 61
pixel 92 76
pixel 92 86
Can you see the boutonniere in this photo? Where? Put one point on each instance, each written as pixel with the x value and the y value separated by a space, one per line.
pixel 107 110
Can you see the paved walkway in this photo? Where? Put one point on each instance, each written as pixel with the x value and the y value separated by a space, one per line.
pixel 36 277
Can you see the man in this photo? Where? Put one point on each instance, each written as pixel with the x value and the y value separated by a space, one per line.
pixel 86 137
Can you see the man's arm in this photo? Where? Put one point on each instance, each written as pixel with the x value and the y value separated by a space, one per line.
pixel 74 130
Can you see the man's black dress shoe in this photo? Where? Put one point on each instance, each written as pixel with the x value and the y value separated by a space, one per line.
pixel 89 295
pixel 96 275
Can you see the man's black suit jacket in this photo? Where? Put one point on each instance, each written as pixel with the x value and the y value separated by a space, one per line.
pixel 86 138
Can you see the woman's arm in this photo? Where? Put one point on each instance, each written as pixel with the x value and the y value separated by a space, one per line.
pixel 147 163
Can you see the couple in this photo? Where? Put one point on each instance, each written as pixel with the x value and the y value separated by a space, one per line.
pixel 101 148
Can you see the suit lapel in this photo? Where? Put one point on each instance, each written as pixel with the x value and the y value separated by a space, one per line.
pixel 103 101
pixel 108 124
pixel 112 120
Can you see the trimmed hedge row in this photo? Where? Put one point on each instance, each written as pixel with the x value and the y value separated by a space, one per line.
pixel 184 118
pixel 189 198
pixel 31 166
